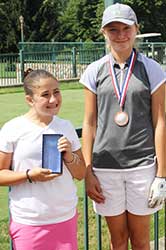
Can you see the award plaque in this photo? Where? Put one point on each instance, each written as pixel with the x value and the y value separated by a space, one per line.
pixel 51 157
pixel 121 118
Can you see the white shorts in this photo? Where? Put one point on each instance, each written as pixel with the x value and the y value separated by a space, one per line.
pixel 125 191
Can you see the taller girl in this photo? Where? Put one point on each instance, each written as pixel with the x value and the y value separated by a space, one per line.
pixel 124 133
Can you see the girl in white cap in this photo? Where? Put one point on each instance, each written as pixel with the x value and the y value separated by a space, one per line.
pixel 124 133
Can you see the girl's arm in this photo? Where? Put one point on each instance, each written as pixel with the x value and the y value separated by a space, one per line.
pixel 159 124
pixel 7 176
pixel 76 165
pixel 157 194
pixel 88 135
pixel 89 127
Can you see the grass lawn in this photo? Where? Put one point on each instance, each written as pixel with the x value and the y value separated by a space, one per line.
pixel 12 104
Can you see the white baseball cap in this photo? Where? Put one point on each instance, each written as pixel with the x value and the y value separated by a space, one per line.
pixel 119 13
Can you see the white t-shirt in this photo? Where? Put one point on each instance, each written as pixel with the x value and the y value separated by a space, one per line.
pixel 41 202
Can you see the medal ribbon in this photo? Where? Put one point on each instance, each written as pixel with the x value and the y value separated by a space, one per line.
pixel 122 94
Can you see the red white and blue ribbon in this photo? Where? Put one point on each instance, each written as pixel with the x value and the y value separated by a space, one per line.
pixel 121 94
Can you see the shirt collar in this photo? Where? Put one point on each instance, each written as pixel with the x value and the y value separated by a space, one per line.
pixel 116 65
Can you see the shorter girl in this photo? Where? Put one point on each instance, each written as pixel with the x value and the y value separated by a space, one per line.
pixel 42 204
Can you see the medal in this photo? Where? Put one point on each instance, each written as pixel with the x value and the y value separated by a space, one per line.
pixel 121 118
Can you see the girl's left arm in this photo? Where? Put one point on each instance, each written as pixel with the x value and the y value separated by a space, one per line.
pixel 159 125
pixel 77 165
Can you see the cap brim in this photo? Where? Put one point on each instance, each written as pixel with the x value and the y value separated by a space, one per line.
pixel 121 20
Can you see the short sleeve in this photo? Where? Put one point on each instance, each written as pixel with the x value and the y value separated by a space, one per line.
pixel 6 141
pixel 88 78
pixel 90 75
pixel 155 74
pixel 73 137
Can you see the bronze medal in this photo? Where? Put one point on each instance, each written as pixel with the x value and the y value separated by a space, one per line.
pixel 121 118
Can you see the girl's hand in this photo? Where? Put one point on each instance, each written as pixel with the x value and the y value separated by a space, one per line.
pixel 93 188
pixel 64 146
pixel 41 174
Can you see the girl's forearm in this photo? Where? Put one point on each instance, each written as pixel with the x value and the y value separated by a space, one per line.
pixel 77 166
pixel 160 146
pixel 9 177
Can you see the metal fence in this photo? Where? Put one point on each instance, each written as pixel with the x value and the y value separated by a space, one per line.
pixel 64 62
pixel 58 46
pixel 157 50
pixel 64 65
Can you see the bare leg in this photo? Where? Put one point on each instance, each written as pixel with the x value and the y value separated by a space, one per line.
pixel 139 231
pixel 118 230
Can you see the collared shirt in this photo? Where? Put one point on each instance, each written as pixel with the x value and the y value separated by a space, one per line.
pixel 130 146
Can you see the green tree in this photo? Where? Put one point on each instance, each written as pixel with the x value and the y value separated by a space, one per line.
pixel 3 25
pixel 80 21
pixel 29 10
pixel 9 12
pixel 40 21
pixel 45 21
pixel 151 15
pixel 69 20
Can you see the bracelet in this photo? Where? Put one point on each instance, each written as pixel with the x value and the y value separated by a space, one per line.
pixel 27 175
pixel 69 162
pixel 75 160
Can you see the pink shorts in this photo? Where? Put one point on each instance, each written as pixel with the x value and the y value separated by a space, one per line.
pixel 59 236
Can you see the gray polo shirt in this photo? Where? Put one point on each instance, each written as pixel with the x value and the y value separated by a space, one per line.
pixel 132 145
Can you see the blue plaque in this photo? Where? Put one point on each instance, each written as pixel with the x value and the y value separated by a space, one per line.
pixel 51 157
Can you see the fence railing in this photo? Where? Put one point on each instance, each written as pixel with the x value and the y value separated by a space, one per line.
pixel 68 64
pixel 65 64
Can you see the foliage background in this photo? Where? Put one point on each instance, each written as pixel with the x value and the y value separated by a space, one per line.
pixel 68 20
